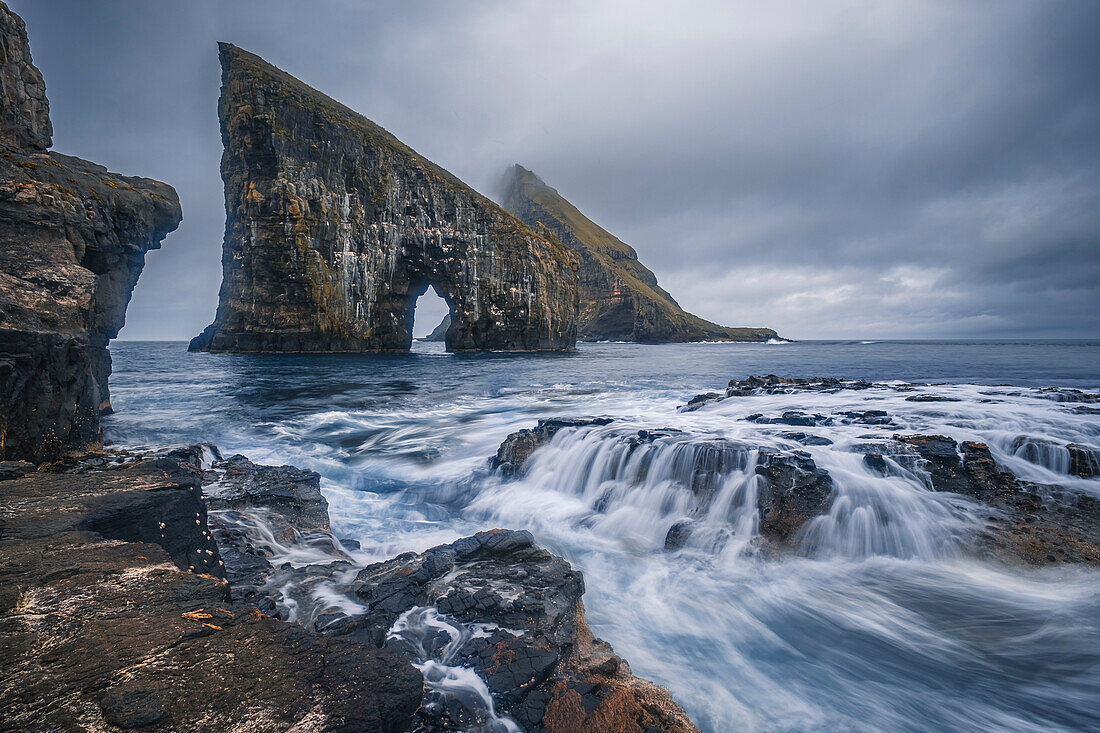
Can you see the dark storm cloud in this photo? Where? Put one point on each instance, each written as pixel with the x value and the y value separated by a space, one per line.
pixel 873 169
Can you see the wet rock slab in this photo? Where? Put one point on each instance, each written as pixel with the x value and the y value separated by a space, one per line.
pixel 105 626
pixel 1038 524
pixel 532 645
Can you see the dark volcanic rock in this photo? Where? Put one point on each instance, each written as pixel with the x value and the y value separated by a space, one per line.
pixel 796 491
pixel 512 455
pixel 334 228
pixel 294 493
pixel 678 534
pixel 619 297
pixel 866 417
pixel 772 384
pixel 1037 524
pixel 102 629
pixel 1084 461
pixel 806 438
pixel 791 417
pixel 73 239
pixel 536 652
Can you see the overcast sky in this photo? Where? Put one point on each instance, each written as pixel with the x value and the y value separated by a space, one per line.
pixel 828 169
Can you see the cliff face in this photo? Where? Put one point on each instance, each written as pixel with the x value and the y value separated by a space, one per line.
pixel 619 297
pixel 73 239
pixel 334 228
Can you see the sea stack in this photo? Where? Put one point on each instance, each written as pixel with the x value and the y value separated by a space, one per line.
pixel 73 238
pixel 334 228
pixel 620 299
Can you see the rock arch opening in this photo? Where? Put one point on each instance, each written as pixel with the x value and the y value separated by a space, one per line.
pixel 334 229
pixel 431 314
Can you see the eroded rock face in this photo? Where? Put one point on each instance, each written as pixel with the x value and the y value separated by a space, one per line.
pixel 73 238
pixel 619 297
pixel 334 228
pixel 25 114
pixel 104 626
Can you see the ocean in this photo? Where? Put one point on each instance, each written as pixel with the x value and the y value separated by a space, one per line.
pixel 882 622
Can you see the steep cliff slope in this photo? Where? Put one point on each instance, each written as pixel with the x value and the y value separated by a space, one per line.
pixel 334 228
pixel 73 238
pixel 619 297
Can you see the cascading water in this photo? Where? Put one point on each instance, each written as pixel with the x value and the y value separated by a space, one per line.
pixel 877 617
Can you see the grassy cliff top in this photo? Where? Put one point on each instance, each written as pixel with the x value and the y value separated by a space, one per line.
pixel 524 190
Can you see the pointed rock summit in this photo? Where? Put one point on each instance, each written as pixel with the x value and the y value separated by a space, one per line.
pixel 619 297
pixel 334 228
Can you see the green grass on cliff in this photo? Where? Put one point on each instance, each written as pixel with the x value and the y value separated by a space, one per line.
pixel 618 257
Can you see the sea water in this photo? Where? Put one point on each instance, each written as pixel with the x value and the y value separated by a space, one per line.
pixel 880 620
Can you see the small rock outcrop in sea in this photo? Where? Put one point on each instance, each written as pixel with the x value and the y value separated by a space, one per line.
pixel 620 299
pixel 73 238
pixel 772 384
pixel 439 333
pixel 334 228
pixel 793 489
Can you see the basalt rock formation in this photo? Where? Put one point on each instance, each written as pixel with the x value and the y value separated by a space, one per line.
pixel 73 238
pixel 334 228
pixel 619 297
pixel 115 614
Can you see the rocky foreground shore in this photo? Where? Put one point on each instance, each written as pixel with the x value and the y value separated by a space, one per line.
pixel 128 599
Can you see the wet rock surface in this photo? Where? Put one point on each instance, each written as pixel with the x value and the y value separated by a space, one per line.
pixel 120 552
pixel 1038 524
pixel 73 239
pixel 772 384
pixel 292 494
pixel 1023 521
pixel 334 229
pixel 105 627
pixel 511 457
pixel 530 642
pixel 794 488
pixel 620 299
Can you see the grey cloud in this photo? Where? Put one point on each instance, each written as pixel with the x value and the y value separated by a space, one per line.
pixel 845 169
